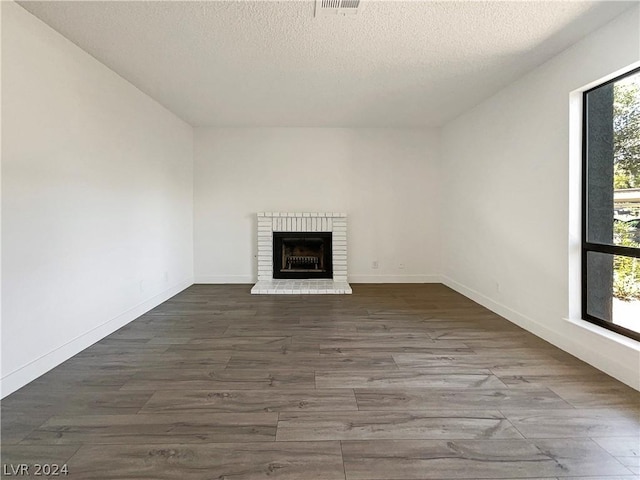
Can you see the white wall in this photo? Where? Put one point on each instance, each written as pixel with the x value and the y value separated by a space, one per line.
pixel 385 180
pixel 97 198
pixel 506 168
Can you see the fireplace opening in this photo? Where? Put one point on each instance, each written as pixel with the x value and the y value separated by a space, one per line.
pixel 302 255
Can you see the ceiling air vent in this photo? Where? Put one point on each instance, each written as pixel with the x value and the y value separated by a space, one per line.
pixel 338 7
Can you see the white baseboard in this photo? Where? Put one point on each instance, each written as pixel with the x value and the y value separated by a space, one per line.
pixel 395 278
pixel 29 372
pixel 603 359
pixel 242 279
pixel 221 279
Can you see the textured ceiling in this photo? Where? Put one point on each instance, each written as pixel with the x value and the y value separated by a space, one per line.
pixel 267 63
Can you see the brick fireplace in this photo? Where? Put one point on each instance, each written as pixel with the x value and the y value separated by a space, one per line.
pixel 309 226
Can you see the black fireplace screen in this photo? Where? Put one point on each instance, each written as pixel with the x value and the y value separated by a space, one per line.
pixel 302 255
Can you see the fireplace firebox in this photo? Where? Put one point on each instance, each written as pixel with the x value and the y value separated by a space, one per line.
pixel 302 255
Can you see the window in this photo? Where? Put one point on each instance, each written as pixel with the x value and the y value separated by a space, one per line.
pixel 611 205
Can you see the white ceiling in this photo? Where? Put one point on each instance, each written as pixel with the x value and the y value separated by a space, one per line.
pixel 268 63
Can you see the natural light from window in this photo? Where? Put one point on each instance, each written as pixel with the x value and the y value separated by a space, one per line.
pixel 626 198
pixel 611 205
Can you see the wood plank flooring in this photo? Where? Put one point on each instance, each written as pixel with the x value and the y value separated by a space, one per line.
pixel 394 382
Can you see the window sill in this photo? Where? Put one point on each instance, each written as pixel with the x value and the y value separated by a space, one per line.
pixel 608 334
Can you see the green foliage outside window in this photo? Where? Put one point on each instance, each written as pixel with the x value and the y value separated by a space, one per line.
pixel 626 270
pixel 626 131
pixel 626 135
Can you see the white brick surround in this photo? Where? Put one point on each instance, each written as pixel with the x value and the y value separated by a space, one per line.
pixel 269 222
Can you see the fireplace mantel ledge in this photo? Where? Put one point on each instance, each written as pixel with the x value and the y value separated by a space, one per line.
pixel 302 214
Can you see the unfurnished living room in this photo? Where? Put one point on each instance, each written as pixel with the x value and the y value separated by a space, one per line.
pixel 320 240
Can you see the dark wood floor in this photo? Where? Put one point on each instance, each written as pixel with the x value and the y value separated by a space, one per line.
pixel 393 382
